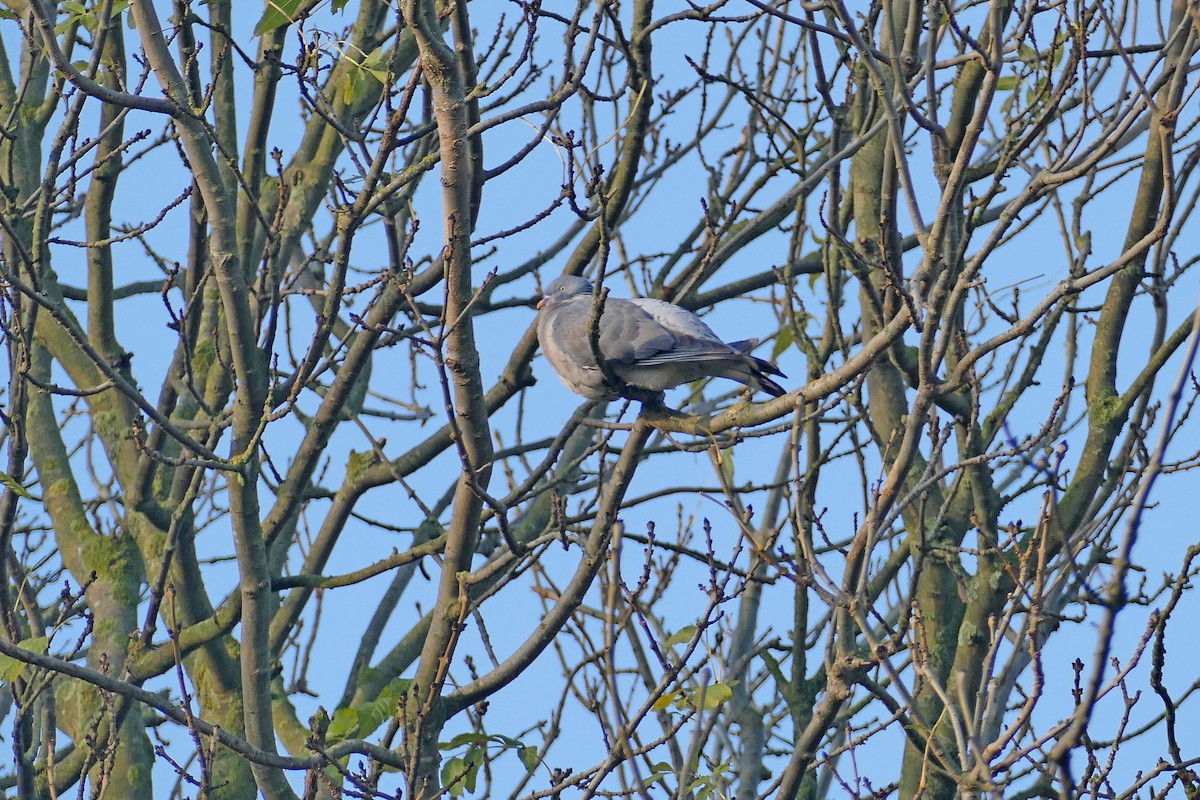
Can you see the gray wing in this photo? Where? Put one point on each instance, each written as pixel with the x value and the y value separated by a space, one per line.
pixel 694 341
pixel 628 335
pixel 675 318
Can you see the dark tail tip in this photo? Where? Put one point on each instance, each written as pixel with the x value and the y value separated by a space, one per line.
pixel 762 371
pixel 764 368
pixel 771 387
pixel 767 368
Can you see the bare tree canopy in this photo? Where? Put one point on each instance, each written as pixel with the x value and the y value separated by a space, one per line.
pixel 293 506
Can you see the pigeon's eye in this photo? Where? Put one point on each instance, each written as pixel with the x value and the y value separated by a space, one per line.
pixel 562 288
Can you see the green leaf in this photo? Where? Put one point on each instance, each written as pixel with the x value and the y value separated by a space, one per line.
pixel 529 757
pixel 375 65
pixel 474 759
pixel 716 694
pixel 462 739
pixel 12 668
pixel 459 774
pixel 338 5
pixel 657 771
pixel 666 701
pixel 278 12
pixel 370 67
pixel 394 690
pixel 371 715
pixel 15 486
pixel 782 342
pixel 36 644
pixel 365 718
pixel 454 776
pixel 354 87
pixel 344 725
pixel 682 636
pixel 1043 85
pixel 1007 83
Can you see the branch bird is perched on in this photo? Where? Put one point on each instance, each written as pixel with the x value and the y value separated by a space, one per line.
pixel 649 345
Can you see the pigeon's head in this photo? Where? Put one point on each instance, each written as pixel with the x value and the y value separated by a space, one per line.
pixel 564 288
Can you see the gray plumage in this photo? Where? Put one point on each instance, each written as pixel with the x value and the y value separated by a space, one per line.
pixel 647 344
